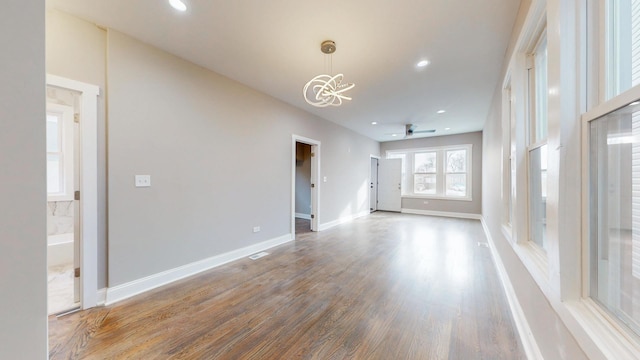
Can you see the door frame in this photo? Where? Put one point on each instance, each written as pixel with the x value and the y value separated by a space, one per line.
pixel 315 179
pixel 371 157
pixel 88 153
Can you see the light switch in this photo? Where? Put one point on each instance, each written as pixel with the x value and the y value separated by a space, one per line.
pixel 143 180
pixel 324 179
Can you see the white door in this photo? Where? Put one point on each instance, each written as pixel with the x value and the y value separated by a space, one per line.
pixel 389 179
pixel 373 186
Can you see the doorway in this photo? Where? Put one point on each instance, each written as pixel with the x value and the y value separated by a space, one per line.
pixel 71 194
pixel 303 188
pixel 62 209
pixel 305 185
pixel 373 184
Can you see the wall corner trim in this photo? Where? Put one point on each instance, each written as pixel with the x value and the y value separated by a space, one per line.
pixel 442 213
pixel 526 335
pixel 135 287
pixel 342 220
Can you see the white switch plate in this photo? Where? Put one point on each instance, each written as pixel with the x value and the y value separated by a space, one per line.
pixel 325 179
pixel 256 229
pixel 143 180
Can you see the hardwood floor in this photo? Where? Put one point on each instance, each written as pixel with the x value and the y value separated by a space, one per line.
pixel 387 286
pixel 302 226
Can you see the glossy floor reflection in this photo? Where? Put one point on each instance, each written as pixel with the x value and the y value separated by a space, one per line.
pixel 386 286
pixel 60 288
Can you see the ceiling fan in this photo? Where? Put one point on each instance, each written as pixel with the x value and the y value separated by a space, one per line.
pixel 410 129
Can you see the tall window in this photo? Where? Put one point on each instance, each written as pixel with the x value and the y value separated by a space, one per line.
pixel 425 173
pixel 615 213
pixel 443 172
pixel 614 172
pixel 538 100
pixel 622 46
pixel 59 152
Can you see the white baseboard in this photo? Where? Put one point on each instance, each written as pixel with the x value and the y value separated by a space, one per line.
pixel 127 290
pixel 303 216
pixel 102 297
pixel 526 335
pixel 442 213
pixel 342 220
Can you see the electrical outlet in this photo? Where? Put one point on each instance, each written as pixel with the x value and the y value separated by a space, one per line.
pixel 256 229
pixel 143 180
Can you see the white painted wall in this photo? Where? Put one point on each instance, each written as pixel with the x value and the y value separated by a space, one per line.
pixel 219 156
pixel 23 238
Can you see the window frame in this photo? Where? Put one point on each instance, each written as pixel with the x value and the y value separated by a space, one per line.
pixel 533 123
pixel 408 156
pixel 599 98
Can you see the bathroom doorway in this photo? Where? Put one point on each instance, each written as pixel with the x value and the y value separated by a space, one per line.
pixel 305 185
pixel 63 245
pixel 303 188
pixel 72 189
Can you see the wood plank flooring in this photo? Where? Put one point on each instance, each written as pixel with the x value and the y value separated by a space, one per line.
pixel 386 286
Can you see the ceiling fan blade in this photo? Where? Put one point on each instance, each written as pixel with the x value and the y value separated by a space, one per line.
pixel 424 131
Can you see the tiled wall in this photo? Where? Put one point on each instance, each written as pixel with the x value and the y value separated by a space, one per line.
pixel 59 217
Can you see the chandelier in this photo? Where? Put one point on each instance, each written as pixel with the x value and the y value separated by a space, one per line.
pixel 327 90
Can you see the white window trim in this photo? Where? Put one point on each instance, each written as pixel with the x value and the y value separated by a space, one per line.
pixel 66 144
pixel 440 174
pixel 610 336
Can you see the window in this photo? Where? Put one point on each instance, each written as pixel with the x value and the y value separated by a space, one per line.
pixel 538 195
pixel 538 112
pixel 59 152
pixel 456 172
pixel 622 44
pixel 443 172
pixel 614 234
pixel 613 204
pixel 425 172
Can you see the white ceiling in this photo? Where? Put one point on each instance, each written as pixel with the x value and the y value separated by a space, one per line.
pixel 274 46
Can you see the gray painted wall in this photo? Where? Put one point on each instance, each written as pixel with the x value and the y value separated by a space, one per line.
pixel 23 237
pixel 220 159
pixel 219 154
pixel 457 206
pixel 303 178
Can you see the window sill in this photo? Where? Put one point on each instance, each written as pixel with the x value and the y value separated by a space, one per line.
pixel 598 333
pixel 536 261
pixel 435 197
pixel 507 232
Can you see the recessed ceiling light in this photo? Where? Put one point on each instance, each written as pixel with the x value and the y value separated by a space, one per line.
pixel 447 128
pixel 178 5
pixel 422 63
pixel 394 134
pixel 374 123
pixel 441 111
